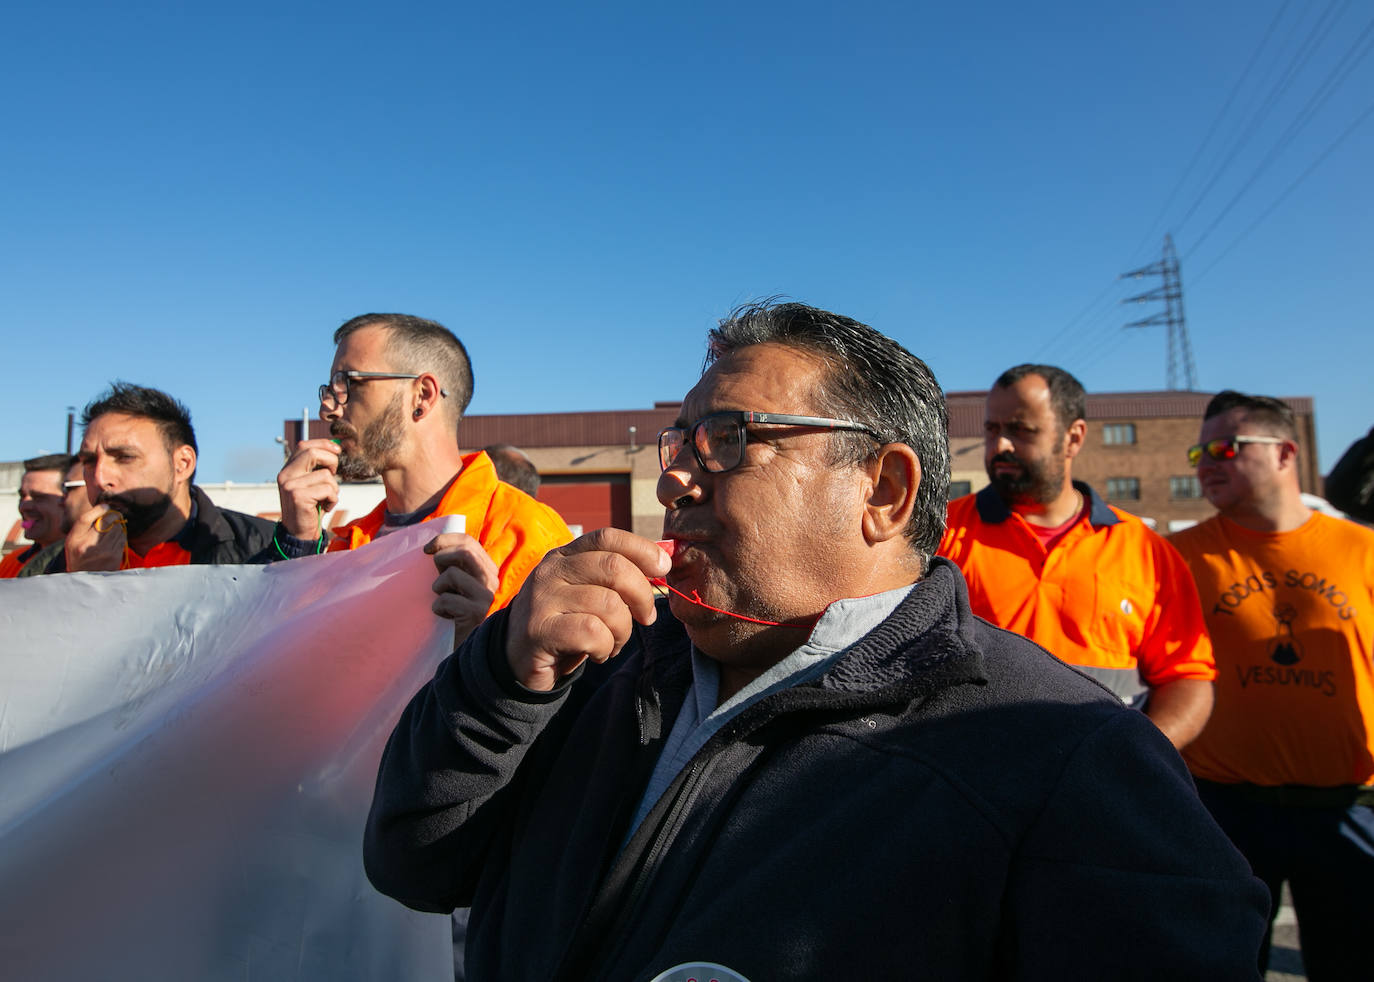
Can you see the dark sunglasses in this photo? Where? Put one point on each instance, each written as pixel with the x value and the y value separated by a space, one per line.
pixel 1225 448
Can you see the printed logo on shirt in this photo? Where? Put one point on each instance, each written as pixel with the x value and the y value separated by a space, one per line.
pixel 699 972
pixel 1285 649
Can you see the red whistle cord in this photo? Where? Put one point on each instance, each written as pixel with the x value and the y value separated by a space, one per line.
pixel 658 581
pixel 669 546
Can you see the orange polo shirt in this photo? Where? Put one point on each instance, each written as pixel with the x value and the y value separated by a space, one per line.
pixel 1292 618
pixel 514 529
pixel 1109 597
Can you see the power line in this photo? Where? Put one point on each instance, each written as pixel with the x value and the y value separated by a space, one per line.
pixel 1305 115
pixel 1049 345
pixel 1369 111
pixel 1299 61
pixel 1213 128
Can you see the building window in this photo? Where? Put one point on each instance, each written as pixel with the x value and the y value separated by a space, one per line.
pixel 1118 434
pixel 1185 488
pixel 957 489
pixel 1123 489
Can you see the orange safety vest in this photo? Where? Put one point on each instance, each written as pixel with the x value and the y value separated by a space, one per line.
pixel 514 529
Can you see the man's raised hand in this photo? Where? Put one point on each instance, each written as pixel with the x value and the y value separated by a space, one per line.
pixel 581 602
pixel 307 486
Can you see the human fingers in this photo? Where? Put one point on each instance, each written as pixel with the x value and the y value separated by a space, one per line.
pixel 97 541
pixel 458 551
pixel 620 560
pixel 552 639
pixel 303 497
pixel 311 455
pixel 580 602
pixel 465 610
pixel 460 582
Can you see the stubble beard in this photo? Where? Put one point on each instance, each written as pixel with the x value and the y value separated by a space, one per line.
pixel 375 445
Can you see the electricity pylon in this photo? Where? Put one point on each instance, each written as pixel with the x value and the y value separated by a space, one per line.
pixel 1171 292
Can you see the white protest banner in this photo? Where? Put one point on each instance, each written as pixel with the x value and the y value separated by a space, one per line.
pixel 187 757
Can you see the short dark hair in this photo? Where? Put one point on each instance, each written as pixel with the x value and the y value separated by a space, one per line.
pixel 50 462
pixel 514 467
pixel 872 380
pixel 418 345
pixel 1271 413
pixel 1067 397
pixel 171 416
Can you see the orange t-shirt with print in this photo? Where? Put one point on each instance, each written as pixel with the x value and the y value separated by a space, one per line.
pixel 1291 616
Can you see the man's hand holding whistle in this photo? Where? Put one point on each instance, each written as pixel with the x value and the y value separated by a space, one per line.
pixel 582 602
pixel 97 541
pixel 308 487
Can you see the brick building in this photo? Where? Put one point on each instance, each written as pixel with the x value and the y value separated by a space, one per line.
pixel 601 468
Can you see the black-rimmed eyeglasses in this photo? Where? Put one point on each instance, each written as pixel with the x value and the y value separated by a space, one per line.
pixel 337 389
pixel 718 439
pixel 1225 448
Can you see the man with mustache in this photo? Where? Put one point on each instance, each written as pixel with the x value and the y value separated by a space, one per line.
pixel 40 510
pixel 1045 557
pixel 810 761
pixel 138 456
pixel 398 387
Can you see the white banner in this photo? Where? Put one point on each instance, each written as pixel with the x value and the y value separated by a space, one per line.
pixel 187 757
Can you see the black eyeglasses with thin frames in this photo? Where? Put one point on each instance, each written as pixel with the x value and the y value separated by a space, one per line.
pixel 718 439
pixel 337 389
pixel 1225 448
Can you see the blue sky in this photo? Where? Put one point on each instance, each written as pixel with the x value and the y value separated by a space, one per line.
pixel 194 198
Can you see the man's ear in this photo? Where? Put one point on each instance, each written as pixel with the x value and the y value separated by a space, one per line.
pixel 1074 438
pixel 428 392
pixel 895 478
pixel 183 462
pixel 1288 455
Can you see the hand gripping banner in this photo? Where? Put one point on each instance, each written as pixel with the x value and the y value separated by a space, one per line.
pixel 187 757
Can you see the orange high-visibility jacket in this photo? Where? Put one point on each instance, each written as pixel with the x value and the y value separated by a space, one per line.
pixel 1111 597
pixel 514 529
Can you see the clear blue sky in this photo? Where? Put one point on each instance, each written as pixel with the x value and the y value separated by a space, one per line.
pixel 194 196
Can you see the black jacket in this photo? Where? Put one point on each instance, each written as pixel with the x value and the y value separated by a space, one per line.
pixel 947 801
pixel 1350 485
pixel 217 536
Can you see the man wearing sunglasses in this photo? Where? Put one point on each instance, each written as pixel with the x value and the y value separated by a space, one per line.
pixel 809 760
pixel 1045 557
pixel 398 387
pixel 1286 763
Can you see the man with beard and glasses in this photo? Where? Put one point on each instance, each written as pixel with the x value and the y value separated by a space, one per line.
pixel 398 387
pixel 810 761
pixel 138 456
pixel 40 510
pixel 1045 557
